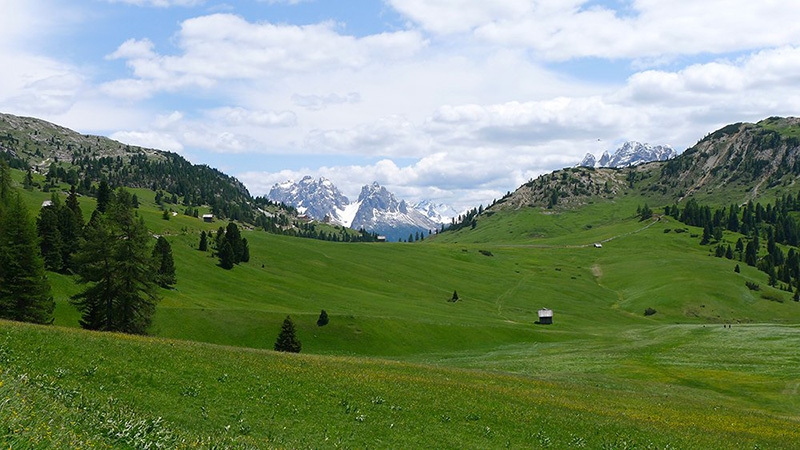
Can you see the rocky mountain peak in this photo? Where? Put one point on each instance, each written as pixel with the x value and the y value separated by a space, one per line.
pixel 631 153
pixel 315 197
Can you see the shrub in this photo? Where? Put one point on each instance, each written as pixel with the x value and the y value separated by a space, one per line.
pixel 485 252
pixel 752 286
pixel 649 311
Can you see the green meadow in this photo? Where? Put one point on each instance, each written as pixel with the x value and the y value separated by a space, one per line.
pixel 399 366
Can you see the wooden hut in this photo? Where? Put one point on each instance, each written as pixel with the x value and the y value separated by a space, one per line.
pixel 545 316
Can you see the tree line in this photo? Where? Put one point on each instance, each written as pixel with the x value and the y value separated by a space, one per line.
pixel 113 256
pixel 776 224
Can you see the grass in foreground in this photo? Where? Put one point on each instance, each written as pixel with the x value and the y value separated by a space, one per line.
pixel 63 388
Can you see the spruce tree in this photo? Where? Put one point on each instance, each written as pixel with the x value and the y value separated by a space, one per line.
pixel 203 247
pixel 234 237
pixel 71 226
pixel 50 241
pixel 226 256
pixel 287 340
pixel 245 251
pixel 164 263
pixel 323 319
pixel 104 195
pixel 24 289
pixel 116 264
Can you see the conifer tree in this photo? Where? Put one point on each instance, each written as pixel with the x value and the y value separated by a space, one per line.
pixel 323 319
pixel 287 340
pixel 103 196
pixel 164 263
pixel 203 247
pixel 50 242
pixel 245 251
pixel 116 265
pixel 71 221
pixel 226 257
pixel 24 289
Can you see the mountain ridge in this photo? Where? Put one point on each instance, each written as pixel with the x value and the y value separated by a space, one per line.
pixel 631 153
pixel 376 209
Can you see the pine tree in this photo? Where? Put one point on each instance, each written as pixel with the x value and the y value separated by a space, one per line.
pixel 24 289
pixel 104 195
pixel 71 226
pixel 203 247
pixel 234 237
pixel 454 298
pixel 226 256
pixel 164 263
pixel 115 263
pixel 50 242
pixel 287 340
pixel 245 251
pixel 751 253
pixel 323 319
pixel 645 213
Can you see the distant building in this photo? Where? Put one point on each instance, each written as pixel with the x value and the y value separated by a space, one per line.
pixel 47 203
pixel 208 217
pixel 545 316
pixel 598 245
pixel 381 238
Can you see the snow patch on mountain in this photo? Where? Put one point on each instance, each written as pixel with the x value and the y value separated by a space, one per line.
pixel 631 153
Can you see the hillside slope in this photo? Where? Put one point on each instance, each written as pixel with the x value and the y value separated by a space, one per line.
pixel 66 156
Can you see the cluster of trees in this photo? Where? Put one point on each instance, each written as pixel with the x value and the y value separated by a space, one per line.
pixel 468 219
pixel 60 227
pixel 775 224
pixel 231 247
pixel 24 290
pixel 121 272
pixel 311 231
pixel 111 255
pixel 417 236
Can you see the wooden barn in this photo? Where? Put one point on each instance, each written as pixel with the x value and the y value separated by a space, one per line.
pixel 545 316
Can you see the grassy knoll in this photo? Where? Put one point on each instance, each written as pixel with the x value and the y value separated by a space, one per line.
pixel 651 387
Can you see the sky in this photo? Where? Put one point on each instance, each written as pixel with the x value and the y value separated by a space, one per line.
pixel 453 101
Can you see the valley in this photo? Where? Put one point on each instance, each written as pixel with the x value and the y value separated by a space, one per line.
pixel 399 365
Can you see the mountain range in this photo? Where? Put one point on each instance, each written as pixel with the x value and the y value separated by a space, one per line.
pixel 376 210
pixel 631 153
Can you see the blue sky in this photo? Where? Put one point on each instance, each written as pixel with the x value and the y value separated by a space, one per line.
pixel 456 101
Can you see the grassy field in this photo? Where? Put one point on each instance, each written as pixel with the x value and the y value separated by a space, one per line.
pixel 669 386
pixel 399 366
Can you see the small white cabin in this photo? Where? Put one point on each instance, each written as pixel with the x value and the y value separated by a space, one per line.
pixel 208 217
pixel 598 245
pixel 545 316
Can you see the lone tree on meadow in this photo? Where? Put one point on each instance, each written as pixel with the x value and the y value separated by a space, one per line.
pixel 323 319
pixel 455 296
pixel 287 340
